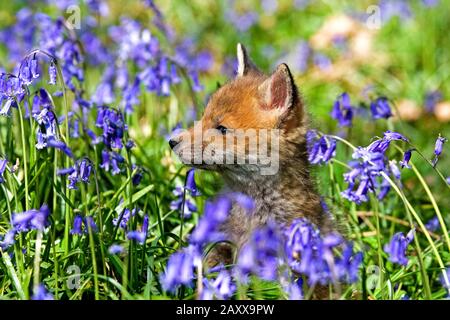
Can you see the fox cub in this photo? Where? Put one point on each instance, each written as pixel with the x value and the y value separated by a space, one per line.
pixel 258 103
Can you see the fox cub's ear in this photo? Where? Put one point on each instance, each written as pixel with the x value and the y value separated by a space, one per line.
pixel 278 91
pixel 245 65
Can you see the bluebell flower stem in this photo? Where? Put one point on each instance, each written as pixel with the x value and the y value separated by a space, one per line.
pixel 24 157
pixel 434 203
pixel 37 260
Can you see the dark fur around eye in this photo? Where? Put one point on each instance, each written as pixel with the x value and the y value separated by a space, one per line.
pixel 222 129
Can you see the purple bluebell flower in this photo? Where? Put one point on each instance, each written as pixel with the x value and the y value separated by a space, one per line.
pixel 41 293
pixel 445 282
pixel 430 3
pixel 89 223
pixel 342 110
pixel 321 61
pixel 260 255
pixel 77 225
pixel 229 67
pixel 396 249
pixel 58 144
pixel 242 21
pixel 3 163
pixel 269 6
pixel 394 170
pixel 113 126
pixel 433 224
pixel 31 219
pixel 448 180
pixel 137 175
pixel 380 108
pixel 111 161
pixel 222 287
pixel 140 236
pixel 431 99
pixel 302 54
pixel 406 158
pixel 180 268
pixel 320 150
pixel 295 290
pixel 311 254
pixel 394 8
pixel 79 172
pixel 439 145
pixel 177 204
pixel 124 217
pixel 8 239
pixel 207 228
pixel 115 249
pixel 190 183
pixel 78 222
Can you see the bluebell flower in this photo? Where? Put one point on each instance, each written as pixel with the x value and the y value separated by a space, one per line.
pixel 448 180
pixel 445 282
pixel 137 175
pixel 311 254
pixel 342 110
pixel 320 150
pixel 242 21
pixel 111 161
pixel 140 236
pixel 222 287
pixel 430 3
pixel 295 290
pixel 124 217
pixel 321 61
pixel 31 219
pixel 177 204
pixel 396 249
pixel 207 228
pixel 394 8
pixel 115 249
pixel 79 172
pixel 41 293
pixel 3 163
pixel 433 224
pixel 406 158
pixel 439 145
pixel 190 183
pixel 8 239
pixel 77 225
pixel 431 99
pixel 113 126
pixel 88 222
pixel 380 108
pixel 180 268
pixel 260 255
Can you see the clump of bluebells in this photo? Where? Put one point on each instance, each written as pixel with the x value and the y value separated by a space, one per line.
pixel 272 253
pixel 369 162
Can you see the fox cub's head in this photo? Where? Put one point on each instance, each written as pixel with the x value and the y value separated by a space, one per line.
pixel 252 124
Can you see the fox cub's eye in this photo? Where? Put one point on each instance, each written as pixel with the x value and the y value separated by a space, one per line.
pixel 222 129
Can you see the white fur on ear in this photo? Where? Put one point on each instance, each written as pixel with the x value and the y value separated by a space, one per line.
pixel 245 65
pixel 241 56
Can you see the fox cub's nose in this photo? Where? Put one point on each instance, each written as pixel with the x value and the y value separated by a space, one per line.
pixel 172 143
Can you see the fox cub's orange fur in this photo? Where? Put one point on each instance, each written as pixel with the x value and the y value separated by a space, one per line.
pixel 254 100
